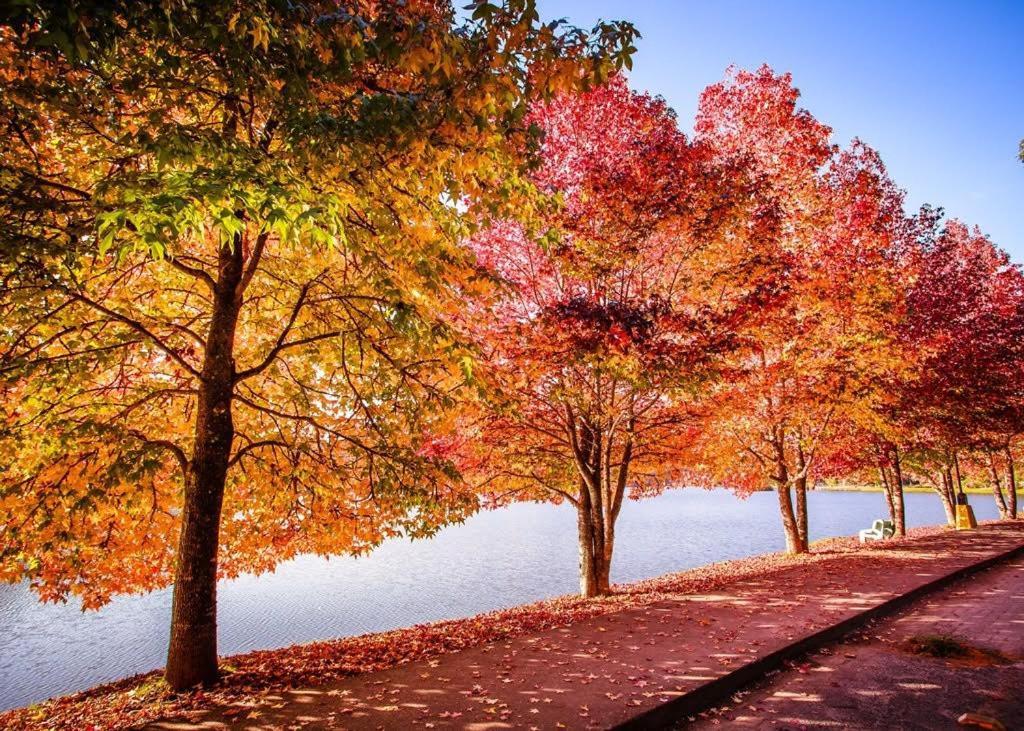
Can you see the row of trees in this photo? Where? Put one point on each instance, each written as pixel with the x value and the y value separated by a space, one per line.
pixel 296 277
pixel 749 307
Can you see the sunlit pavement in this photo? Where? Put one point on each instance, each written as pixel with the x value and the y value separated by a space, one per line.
pixel 600 672
pixel 874 681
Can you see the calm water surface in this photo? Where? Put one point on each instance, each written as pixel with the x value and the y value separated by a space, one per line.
pixel 496 559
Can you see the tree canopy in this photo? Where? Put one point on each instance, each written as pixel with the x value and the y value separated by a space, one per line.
pixel 230 234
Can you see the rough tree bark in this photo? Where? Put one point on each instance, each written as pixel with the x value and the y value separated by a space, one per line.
pixel 959 480
pixel 794 544
pixel 601 490
pixel 596 534
pixel 192 652
pixel 883 475
pixel 790 525
pixel 588 557
pixel 604 584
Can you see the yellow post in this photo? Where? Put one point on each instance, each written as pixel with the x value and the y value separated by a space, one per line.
pixel 965 517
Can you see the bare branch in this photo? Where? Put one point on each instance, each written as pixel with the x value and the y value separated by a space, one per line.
pixel 170 446
pixel 281 345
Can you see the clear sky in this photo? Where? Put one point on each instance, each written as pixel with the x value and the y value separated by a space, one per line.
pixel 936 87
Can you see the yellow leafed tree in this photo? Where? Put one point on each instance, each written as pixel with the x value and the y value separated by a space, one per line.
pixel 228 235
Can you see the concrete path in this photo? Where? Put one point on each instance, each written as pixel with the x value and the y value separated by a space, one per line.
pixel 602 672
pixel 878 679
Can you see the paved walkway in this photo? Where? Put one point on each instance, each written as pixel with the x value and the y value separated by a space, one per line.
pixel 874 680
pixel 600 672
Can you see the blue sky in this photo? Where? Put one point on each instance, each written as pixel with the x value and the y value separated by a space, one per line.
pixel 936 87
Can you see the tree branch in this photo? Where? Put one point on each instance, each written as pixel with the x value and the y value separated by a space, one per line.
pixel 138 327
pixel 281 345
pixel 254 261
pixel 170 446
pixel 194 272
pixel 254 446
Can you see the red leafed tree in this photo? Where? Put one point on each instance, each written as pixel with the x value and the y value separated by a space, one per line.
pixel 806 362
pixel 611 321
pixel 965 323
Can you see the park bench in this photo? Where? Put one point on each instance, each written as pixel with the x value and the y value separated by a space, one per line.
pixel 879 530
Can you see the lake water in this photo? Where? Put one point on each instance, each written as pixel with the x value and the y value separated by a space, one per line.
pixel 496 559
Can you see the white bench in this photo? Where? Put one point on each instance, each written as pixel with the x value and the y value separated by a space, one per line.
pixel 879 531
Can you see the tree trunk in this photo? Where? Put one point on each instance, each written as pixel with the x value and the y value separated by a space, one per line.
pixel 588 558
pixel 781 478
pixel 616 491
pixel 599 498
pixel 595 552
pixel 800 491
pixel 192 653
pixel 883 475
pixel 1011 484
pixel 794 543
pixel 997 487
pixel 959 480
pixel 597 523
pixel 602 550
pixel 800 488
pixel 605 568
pixel 946 495
pixel 899 517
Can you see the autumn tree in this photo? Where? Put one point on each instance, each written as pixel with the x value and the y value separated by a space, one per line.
pixel 874 242
pixel 763 418
pixel 965 326
pixel 867 453
pixel 616 309
pixel 813 357
pixel 229 233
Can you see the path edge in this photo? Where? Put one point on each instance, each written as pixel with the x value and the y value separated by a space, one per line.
pixel 716 691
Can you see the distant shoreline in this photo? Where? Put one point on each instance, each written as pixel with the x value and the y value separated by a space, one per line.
pixel 906 488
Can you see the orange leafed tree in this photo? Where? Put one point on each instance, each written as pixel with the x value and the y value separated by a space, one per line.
pixel 228 240
pixel 875 262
